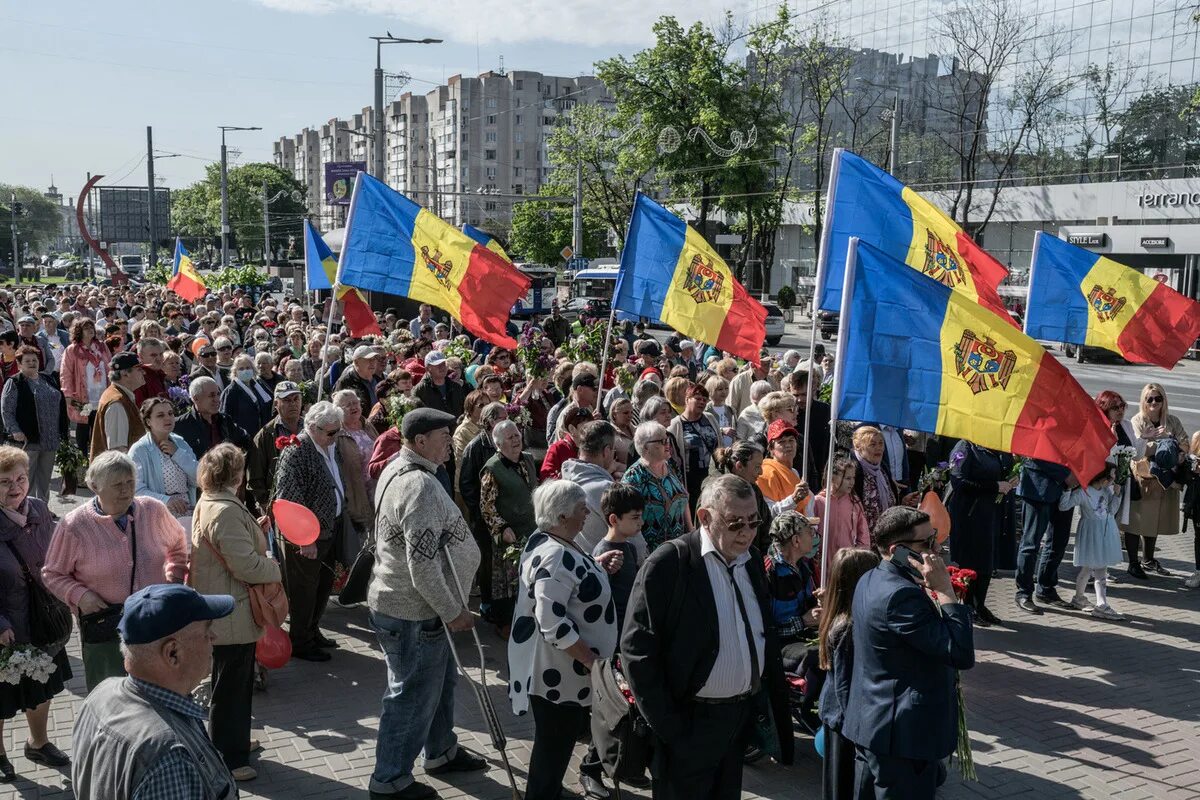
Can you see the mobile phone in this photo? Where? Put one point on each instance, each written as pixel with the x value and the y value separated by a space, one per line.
pixel 900 558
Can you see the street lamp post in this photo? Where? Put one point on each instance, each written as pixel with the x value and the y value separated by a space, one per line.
pixel 225 191
pixel 378 126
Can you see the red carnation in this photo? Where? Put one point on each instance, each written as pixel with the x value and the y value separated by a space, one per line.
pixel 286 441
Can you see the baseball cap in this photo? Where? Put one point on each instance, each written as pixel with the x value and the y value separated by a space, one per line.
pixel 27 320
pixel 157 611
pixel 434 357
pixel 780 428
pixel 206 350
pixel 123 361
pixel 687 344
pixel 286 389
pixel 363 351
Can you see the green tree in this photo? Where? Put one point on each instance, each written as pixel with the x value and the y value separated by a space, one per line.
pixel 196 210
pixel 37 226
pixel 540 229
pixel 1159 130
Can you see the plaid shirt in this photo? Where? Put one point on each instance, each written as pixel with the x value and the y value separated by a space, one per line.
pixel 174 776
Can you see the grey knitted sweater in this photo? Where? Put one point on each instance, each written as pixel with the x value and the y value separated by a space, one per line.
pixel 420 530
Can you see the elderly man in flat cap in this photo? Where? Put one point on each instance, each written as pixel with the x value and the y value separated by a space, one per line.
pixel 425 560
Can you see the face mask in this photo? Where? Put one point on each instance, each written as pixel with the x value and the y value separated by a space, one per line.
pixel 245 375
pixel 816 546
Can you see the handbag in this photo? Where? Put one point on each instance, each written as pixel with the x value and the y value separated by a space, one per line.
pixel 49 617
pixel 623 739
pixel 100 627
pixel 358 580
pixel 268 601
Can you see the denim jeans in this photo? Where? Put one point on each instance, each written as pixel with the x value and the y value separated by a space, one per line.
pixel 1041 553
pixel 418 705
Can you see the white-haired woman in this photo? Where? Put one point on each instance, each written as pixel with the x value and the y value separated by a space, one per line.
pixel 506 487
pixel 356 431
pixel 666 514
pixel 245 400
pixel 264 367
pixel 312 473
pixel 107 549
pixel 564 620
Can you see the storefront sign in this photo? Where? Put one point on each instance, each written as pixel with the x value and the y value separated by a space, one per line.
pixel 1155 242
pixel 1168 199
pixel 1088 239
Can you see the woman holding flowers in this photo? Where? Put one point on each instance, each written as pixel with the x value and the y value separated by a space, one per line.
pixel 506 504
pixel 25 530
pixel 1157 513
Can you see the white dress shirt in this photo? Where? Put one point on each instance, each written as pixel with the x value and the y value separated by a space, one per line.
pixel 732 672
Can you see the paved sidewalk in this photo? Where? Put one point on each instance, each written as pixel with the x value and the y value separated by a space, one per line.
pixel 1060 706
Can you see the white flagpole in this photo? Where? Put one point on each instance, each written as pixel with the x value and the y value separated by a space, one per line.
pixel 612 314
pixel 835 408
pixel 1037 242
pixel 818 290
pixel 333 291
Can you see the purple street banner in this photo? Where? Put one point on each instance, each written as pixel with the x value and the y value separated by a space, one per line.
pixel 339 180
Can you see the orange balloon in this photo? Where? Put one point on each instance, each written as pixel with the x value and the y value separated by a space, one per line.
pixel 932 505
pixel 274 648
pixel 297 524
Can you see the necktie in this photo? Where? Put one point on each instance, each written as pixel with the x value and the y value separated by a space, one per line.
pixel 755 669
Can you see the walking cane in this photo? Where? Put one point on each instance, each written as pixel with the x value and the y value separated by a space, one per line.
pixel 499 741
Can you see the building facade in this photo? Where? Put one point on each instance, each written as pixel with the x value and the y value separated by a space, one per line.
pixel 467 150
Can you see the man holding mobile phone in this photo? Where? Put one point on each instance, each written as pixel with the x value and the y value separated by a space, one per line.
pixel 911 635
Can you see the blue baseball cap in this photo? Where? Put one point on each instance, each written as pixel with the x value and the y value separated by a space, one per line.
pixel 160 610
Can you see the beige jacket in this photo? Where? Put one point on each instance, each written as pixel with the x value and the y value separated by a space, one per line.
pixel 223 521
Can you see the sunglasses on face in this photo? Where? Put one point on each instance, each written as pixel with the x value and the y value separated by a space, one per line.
pixel 738 524
pixel 1154 399
pixel 930 541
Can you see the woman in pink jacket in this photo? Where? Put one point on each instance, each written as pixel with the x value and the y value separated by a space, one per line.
pixel 84 378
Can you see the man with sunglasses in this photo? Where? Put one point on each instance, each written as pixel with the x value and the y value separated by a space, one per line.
pixel 911 636
pixel 699 649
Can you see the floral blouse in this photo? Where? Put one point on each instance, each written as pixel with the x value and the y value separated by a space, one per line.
pixel 666 503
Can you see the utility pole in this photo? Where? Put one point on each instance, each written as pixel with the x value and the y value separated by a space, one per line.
pixel 153 260
pixel 225 229
pixel 577 221
pixel 434 200
pixel 377 123
pixel 894 150
pixel 266 230
pixel 12 208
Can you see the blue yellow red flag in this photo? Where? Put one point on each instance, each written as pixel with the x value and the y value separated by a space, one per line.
pixel 185 280
pixel 916 354
pixel 486 240
pixel 670 274
pixel 320 268
pixel 394 245
pixel 1089 299
pixel 867 202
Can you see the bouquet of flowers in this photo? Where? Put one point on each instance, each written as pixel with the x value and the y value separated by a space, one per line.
pixel 626 376
pixel 519 413
pixel 1013 476
pixel 530 356
pixel 1124 456
pixel 397 405
pixel 456 349
pixel 284 442
pixel 179 398
pixel 961 579
pixel 308 392
pixel 589 345
pixel 20 661
pixel 825 393
pixel 935 478
pixel 69 458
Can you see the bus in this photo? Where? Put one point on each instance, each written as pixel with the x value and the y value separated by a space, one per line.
pixel 543 290
pixel 592 291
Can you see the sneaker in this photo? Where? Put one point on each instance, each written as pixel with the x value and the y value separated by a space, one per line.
pixel 47 754
pixel 1052 600
pixel 1080 603
pixel 1193 580
pixel 1107 612
pixel 1153 565
pixel 414 791
pixel 464 761
pixel 1136 571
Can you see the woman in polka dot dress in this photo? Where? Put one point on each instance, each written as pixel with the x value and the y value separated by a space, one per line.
pixel 564 620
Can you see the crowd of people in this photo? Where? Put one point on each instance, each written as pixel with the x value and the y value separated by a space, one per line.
pixel 666 513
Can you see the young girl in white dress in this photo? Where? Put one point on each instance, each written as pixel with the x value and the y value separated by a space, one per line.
pixel 1097 542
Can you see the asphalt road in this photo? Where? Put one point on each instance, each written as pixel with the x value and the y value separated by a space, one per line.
pixel 1182 383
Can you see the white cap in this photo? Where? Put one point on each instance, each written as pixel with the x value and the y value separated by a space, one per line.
pixel 687 344
pixel 363 351
pixel 434 357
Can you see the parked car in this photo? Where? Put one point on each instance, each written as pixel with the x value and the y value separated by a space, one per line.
pixel 1086 353
pixel 775 324
pixel 827 322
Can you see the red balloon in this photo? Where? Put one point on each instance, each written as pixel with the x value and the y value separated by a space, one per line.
pixel 274 649
pixel 297 524
pixel 932 505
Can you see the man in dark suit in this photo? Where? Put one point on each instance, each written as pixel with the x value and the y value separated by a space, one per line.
pixel 700 651
pixel 902 711
pixel 1041 487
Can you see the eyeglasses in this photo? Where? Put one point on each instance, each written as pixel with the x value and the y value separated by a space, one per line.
pixel 655 441
pixel 224 349
pixel 333 432
pixel 1154 399
pixel 738 524
pixel 19 480
pixel 930 541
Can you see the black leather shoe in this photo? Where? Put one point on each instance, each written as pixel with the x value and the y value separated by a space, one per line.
pixel 7 771
pixel 464 761
pixel 1136 571
pixel 1153 565
pixel 414 791
pixel 987 616
pixel 47 754
pixel 312 654
pixel 593 788
pixel 1027 604
pixel 325 642
pixel 1053 600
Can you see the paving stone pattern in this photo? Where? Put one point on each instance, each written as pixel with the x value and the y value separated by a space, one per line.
pixel 1060 706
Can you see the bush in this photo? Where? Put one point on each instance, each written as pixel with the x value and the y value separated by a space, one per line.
pixel 786 297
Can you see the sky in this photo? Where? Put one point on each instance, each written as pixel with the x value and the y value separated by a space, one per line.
pixel 82 80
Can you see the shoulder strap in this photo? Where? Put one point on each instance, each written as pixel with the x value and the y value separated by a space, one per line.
pixel 405 470
pixel 675 608
pixel 21 561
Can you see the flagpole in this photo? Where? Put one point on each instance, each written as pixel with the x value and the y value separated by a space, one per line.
pixel 612 313
pixel 1037 243
pixel 835 407
pixel 333 290
pixel 818 290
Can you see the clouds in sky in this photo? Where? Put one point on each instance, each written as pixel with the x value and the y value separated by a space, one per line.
pixel 581 22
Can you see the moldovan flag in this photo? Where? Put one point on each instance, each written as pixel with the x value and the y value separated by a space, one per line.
pixel 185 280
pixel 917 354
pixel 866 202
pixel 1085 298
pixel 321 273
pixel 394 245
pixel 670 274
pixel 486 240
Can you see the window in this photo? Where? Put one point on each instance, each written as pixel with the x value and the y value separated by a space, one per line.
pixel 491 120
pixel 518 188
pixel 547 120
pixel 490 173
pixel 491 102
pixel 465 135
pixel 517 154
pixel 518 122
pixel 518 84
pixel 518 137
pixel 490 155
pixel 490 137
pixel 516 173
